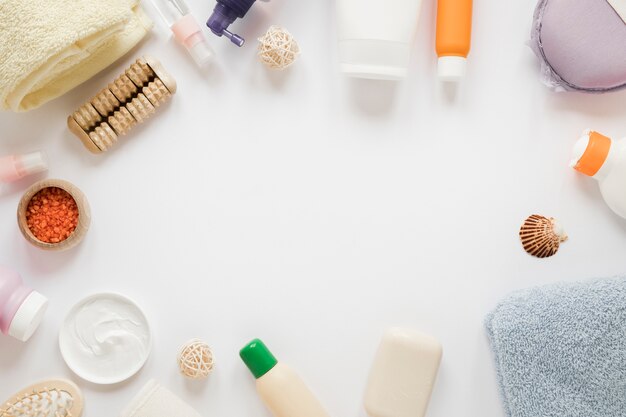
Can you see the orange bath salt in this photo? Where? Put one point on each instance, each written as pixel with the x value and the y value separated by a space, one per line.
pixel 52 215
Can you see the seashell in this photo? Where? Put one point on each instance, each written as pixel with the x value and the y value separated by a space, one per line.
pixel 56 398
pixel 541 236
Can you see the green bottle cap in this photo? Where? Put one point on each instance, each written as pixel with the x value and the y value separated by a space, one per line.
pixel 257 358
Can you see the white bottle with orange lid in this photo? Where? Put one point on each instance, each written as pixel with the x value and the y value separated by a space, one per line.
pixel 604 159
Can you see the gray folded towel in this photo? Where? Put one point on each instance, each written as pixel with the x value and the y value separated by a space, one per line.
pixel 560 350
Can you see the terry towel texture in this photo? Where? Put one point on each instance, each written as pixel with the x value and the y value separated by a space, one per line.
pixel 49 47
pixel 155 401
pixel 560 350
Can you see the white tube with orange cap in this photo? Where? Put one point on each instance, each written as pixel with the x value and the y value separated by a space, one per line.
pixel 604 159
pixel 453 40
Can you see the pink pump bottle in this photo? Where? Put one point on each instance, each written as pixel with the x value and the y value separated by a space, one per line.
pixel 15 167
pixel 21 308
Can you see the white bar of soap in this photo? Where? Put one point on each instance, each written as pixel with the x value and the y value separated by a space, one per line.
pixel 403 374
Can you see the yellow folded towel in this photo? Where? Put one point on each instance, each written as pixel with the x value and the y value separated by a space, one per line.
pixel 48 47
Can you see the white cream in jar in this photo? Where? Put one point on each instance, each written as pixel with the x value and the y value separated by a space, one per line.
pixel 105 339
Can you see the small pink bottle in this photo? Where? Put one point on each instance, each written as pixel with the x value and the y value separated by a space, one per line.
pixel 21 308
pixel 15 167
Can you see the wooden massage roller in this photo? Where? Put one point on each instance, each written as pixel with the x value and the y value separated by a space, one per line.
pixel 130 99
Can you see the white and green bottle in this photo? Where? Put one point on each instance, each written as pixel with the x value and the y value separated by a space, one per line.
pixel 280 388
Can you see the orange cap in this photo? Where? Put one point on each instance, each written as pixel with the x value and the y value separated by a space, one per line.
pixel 595 155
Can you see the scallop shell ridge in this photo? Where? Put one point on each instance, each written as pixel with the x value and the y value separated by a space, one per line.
pixel 541 236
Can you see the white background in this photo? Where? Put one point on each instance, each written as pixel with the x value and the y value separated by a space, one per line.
pixel 314 211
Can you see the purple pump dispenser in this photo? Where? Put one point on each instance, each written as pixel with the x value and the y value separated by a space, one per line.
pixel 225 13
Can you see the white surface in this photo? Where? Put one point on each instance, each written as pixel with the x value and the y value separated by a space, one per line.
pixel 315 211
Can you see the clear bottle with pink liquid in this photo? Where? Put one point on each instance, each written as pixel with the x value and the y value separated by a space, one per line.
pixel 21 308
pixel 177 15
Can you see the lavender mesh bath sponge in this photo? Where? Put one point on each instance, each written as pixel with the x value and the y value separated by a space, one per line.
pixel 581 44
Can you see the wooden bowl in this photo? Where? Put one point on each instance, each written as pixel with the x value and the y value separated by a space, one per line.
pixel 84 215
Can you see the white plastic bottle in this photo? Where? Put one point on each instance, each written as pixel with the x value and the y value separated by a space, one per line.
pixel 376 37
pixel 280 388
pixel 604 159
pixel 21 308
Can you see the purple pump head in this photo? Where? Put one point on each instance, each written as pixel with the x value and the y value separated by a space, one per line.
pixel 225 13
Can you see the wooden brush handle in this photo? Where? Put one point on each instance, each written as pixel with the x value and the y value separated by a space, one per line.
pixel 36 400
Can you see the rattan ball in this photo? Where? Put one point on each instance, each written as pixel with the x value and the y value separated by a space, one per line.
pixel 195 359
pixel 277 48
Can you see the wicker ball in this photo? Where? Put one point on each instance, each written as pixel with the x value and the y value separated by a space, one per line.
pixel 195 359
pixel 277 48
